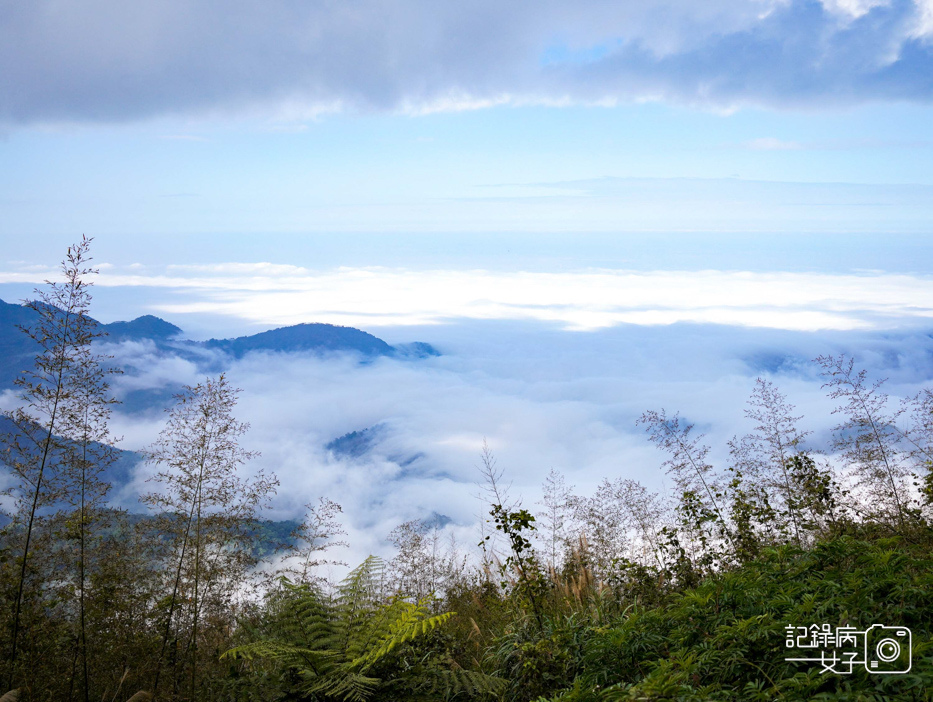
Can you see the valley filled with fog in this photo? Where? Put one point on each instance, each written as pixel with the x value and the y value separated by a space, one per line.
pixel 391 421
pixel 394 439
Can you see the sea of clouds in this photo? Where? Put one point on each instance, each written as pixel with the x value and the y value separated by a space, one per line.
pixel 540 396
pixel 550 368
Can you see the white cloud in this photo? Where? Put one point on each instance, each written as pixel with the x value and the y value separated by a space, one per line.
pixel 772 144
pixel 924 27
pixel 853 8
pixel 109 61
pixel 543 398
pixel 265 294
pixel 371 297
pixel 261 268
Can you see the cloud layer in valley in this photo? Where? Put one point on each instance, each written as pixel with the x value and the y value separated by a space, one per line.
pixel 110 61
pixel 552 368
pixel 542 397
pixel 264 295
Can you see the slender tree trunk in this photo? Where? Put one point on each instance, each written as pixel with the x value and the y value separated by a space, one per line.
pixel 689 454
pixel 58 396
pixel 74 673
pixel 32 512
pixel 198 447
pixel 889 472
pixel 171 607
pixel 81 568
pixel 197 574
pixel 195 507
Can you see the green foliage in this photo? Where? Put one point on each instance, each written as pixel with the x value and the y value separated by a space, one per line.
pixel 725 638
pixel 816 494
pixel 206 513
pixel 357 646
pixel 530 585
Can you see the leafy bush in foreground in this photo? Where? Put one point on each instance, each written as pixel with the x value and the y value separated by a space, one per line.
pixel 725 638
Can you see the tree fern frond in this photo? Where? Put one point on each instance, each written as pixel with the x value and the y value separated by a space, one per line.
pixel 276 651
pixel 410 623
pixel 449 682
pixel 333 643
pixel 363 584
pixel 349 686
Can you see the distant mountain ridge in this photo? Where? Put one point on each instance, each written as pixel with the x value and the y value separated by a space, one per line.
pixel 145 327
pixel 305 337
pixel 118 473
pixel 17 350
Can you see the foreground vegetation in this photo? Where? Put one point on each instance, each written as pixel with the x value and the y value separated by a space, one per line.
pixel 621 595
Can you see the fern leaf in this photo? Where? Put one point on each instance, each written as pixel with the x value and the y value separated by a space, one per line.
pixel 410 623
pixel 349 686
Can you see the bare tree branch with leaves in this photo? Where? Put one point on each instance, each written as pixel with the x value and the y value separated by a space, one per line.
pixel 57 449
pixel 206 510
pixel 869 441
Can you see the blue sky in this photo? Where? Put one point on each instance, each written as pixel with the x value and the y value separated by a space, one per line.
pixel 161 119
pixel 501 169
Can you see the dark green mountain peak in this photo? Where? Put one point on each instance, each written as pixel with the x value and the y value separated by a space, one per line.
pixel 146 327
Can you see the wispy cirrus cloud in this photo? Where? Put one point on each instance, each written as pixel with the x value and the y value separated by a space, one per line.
pixel 773 144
